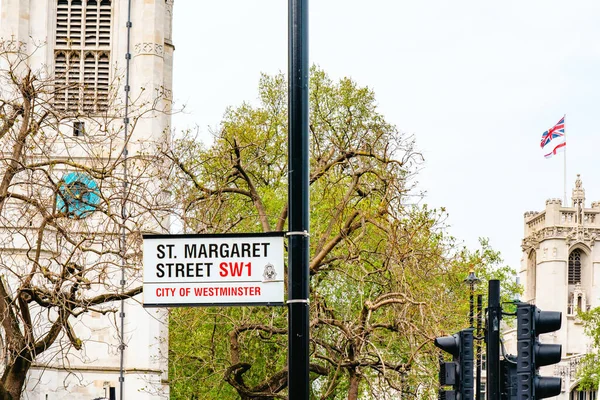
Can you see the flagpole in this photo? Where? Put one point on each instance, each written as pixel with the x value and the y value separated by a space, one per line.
pixel 565 165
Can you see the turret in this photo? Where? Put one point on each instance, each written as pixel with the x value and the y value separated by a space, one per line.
pixel 578 199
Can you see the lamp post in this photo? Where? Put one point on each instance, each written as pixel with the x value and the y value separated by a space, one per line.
pixel 472 280
pixel 298 203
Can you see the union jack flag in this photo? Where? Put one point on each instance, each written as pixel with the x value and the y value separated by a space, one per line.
pixel 556 131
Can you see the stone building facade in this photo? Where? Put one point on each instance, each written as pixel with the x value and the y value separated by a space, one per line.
pixel 560 271
pixel 95 49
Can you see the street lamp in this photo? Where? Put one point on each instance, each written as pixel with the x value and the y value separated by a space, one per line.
pixel 471 280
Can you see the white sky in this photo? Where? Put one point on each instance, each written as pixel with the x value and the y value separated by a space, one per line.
pixel 476 82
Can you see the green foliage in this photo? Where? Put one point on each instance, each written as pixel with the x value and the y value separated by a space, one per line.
pixel 386 278
pixel 588 371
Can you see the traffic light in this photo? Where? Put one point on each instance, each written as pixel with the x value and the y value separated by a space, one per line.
pixel 459 372
pixel 508 378
pixel 531 322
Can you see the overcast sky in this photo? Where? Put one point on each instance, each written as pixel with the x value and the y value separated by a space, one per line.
pixel 476 83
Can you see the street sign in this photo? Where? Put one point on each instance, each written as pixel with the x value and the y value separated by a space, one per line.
pixel 213 269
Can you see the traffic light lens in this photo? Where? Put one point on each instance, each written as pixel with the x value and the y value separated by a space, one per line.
pixel 449 344
pixel 547 321
pixel 547 387
pixel 547 354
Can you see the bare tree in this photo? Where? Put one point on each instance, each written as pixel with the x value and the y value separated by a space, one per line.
pixel 72 209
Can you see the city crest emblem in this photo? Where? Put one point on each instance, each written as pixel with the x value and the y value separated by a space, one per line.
pixel 269 273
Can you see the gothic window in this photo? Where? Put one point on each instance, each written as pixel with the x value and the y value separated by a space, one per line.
pixel 577 394
pixel 575 267
pixel 577 301
pixel 82 55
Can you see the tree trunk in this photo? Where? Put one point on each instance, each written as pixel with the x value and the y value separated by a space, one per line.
pixel 4 395
pixel 13 380
pixel 353 387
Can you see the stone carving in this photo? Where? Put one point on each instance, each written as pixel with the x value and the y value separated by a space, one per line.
pixel 562 371
pixel 154 49
pixel 569 238
pixel 568 369
pixel 573 366
pixel 581 234
pixel 578 199
pixel 531 242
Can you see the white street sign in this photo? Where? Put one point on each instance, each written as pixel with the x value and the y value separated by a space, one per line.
pixel 219 269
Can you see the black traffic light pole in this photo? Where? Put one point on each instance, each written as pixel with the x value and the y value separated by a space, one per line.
pixel 493 340
pixel 298 202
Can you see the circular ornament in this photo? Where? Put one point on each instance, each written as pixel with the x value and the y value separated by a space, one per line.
pixel 78 195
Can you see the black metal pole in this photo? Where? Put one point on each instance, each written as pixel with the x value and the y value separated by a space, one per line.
pixel 493 340
pixel 478 355
pixel 471 308
pixel 298 202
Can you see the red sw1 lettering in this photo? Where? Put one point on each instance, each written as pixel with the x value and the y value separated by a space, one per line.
pixel 234 268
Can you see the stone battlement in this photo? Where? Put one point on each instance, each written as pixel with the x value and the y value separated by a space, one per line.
pixel 557 214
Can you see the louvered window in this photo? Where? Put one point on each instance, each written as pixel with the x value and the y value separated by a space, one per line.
pixel 82 55
pixel 575 267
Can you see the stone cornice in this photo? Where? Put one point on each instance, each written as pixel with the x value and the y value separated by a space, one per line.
pixel 102 369
pixel 577 234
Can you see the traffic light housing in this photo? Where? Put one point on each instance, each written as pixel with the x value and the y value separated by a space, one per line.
pixel 508 378
pixel 531 322
pixel 459 372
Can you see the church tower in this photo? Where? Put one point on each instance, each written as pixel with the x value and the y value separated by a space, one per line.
pixel 560 271
pixel 110 62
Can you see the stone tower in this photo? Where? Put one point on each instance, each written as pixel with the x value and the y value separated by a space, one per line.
pixel 560 271
pixel 102 54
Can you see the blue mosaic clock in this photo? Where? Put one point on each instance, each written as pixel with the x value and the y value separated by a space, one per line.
pixel 78 195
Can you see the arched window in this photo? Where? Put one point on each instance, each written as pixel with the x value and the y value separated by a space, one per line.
pixel 577 394
pixel 575 267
